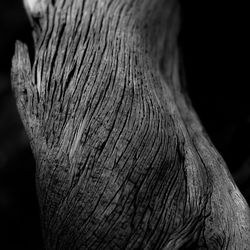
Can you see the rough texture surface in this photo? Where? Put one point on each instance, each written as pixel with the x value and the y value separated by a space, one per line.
pixel 122 160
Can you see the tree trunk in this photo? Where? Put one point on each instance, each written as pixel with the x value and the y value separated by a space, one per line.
pixel 122 159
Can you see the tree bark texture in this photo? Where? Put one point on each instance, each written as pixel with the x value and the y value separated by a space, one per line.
pixel 123 161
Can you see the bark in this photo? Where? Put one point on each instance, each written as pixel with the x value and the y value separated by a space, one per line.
pixel 123 161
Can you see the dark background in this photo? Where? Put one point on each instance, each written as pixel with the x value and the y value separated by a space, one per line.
pixel 211 39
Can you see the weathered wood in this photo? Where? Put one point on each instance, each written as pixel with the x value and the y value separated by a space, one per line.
pixel 122 159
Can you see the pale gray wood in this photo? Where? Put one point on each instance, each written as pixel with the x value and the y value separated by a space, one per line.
pixel 123 161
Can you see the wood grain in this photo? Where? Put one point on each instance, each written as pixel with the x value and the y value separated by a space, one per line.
pixel 122 159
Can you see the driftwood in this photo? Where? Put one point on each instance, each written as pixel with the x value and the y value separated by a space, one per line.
pixel 122 159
